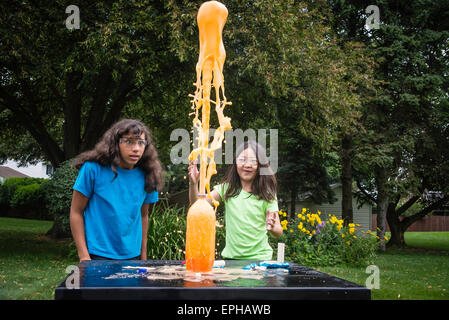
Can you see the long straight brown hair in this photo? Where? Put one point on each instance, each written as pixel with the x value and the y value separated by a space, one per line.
pixel 263 186
pixel 107 153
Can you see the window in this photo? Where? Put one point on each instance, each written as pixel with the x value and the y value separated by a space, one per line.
pixel 49 169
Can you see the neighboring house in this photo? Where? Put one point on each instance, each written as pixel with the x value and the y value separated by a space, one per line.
pixel 361 215
pixel 40 170
pixel 6 172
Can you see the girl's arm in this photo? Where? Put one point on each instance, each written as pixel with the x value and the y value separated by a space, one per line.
pixel 144 213
pixel 194 176
pixel 79 203
pixel 273 223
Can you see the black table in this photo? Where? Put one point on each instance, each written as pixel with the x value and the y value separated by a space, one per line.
pixel 107 279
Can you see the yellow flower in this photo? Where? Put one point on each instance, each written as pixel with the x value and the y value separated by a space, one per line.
pixel 318 212
pixel 342 235
pixel 304 210
pixel 291 230
pixel 284 224
pixel 348 243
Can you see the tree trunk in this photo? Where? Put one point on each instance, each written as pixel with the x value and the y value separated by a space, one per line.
pixel 397 226
pixel 397 236
pixel 58 231
pixel 382 206
pixel 346 179
pixel 293 193
pixel 408 221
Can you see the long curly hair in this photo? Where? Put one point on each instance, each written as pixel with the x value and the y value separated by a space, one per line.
pixel 107 153
pixel 264 186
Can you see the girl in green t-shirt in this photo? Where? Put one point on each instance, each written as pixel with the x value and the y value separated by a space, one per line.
pixel 249 196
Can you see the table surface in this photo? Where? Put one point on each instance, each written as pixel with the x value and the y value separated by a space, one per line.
pixel 109 279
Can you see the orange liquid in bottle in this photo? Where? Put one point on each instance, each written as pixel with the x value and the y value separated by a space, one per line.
pixel 200 237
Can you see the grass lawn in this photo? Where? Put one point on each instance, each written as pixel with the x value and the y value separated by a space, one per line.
pixel 427 240
pixel 418 272
pixel 31 265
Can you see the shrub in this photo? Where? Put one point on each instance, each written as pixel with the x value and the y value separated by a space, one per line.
pixel 23 198
pixel 58 196
pixel 9 187
pixel 313 241
pixel 167 233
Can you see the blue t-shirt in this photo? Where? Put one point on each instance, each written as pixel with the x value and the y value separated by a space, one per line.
pixel 112 218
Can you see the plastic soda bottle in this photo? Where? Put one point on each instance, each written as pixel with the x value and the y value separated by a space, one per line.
pixel 200 236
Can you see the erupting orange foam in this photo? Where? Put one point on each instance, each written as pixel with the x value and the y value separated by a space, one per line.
pixel 200 236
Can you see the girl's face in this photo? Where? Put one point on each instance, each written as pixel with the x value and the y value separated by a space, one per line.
pixel 131 150
pixel 247 165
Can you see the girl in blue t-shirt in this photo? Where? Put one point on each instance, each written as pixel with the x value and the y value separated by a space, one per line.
pixel 116 183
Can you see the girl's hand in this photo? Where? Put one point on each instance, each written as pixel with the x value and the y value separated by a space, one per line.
pixel 85 258
pixel 194 174
pixel 270 220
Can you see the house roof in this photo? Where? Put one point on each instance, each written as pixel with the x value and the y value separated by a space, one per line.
pixel 6 172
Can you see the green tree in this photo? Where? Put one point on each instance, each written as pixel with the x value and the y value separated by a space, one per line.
pixel 406 118
pixel 284 69
pixel 63 88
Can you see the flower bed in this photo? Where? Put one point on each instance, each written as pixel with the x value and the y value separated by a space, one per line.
pixel 315 240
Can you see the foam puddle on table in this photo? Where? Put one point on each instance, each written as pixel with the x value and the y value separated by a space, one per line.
pixel 180 273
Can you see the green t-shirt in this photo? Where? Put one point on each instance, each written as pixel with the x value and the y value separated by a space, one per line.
pixel 246 233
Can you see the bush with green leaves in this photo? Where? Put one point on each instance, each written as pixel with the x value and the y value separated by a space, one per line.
pixel 25 196
pixel 9 187
pixel 311 241
pixel 167 233
pixel 58 196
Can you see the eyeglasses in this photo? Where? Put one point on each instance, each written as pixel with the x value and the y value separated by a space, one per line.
pixel 132 142
pixel 242 161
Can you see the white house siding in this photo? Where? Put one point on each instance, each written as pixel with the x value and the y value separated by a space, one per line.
pixel 362 216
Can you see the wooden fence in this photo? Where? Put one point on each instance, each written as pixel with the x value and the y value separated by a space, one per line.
pixel 429 223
